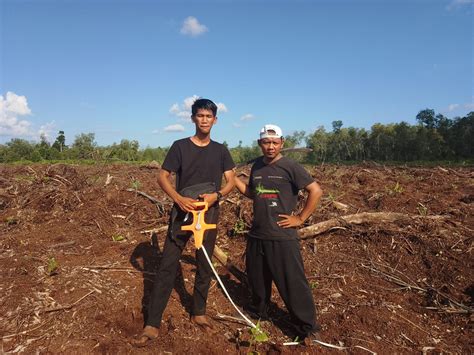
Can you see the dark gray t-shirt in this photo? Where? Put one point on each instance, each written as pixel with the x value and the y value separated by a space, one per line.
pixel 195 165
pixel 275 189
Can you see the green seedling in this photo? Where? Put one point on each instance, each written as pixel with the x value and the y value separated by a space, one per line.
pixel 11 221
pixel 135 184
pixel 313 284
pixel 52 266
pixel 422 209
pixel 331 197
pixel 258 336
pixel 239 227
pixel 397 189
pixel 118 238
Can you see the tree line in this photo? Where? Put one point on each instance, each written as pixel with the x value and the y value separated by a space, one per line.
pixel 433 137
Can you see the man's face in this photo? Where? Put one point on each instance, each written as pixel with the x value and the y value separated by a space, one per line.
pixel 270 146
pixel 204 120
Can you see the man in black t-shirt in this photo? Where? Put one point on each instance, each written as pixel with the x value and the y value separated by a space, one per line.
pixel 199 164
pixel 273 251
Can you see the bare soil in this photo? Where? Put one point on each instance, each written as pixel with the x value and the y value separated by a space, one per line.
pixel 381 287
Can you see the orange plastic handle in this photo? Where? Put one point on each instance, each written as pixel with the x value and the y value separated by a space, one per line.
pixel 199 225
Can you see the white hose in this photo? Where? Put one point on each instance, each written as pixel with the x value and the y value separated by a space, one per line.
pixel 225 291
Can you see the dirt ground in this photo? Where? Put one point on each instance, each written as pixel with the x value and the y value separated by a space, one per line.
pixel 401 287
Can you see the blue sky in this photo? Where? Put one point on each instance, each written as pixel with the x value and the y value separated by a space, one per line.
pixel 130 69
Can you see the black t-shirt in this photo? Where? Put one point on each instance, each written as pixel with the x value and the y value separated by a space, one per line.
pixel 195 165
pixel 275 189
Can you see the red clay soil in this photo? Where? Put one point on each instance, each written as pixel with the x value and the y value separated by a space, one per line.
pixel 399 287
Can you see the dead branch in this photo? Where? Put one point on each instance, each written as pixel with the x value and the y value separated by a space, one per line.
pixel 220 316
pixel 94 268
pixel 63 178
pixel 227 263
pixel 23 332
pixel 358 218
pixel 68 306
pixel 413 286
pixel 155 230
pixel 159 204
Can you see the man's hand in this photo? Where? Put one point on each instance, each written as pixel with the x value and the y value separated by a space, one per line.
pixel 209 198
pixel 289 221
pixel 185 203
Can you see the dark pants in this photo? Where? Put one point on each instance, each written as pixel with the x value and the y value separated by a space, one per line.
pixel 281 262
pixel 167 271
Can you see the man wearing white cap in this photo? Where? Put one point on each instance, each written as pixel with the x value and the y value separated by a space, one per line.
pixel 273 250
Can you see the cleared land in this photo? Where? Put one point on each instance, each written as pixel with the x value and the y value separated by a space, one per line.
pixel 401 284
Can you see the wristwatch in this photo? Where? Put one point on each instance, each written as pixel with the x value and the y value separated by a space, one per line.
pixel 219 195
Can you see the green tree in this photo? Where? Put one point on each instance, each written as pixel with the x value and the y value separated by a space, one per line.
pixel 83 146
pixel 427 118
pixel 336 126
pixel 318 142
pixel 60 142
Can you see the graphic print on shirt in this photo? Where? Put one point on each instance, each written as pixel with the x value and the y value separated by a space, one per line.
pixel 268 194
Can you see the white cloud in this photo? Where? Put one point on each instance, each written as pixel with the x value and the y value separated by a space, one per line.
pixel 247 117
pixel 192 27
pixel 174 128
pixel 458 3
pixel 11 107
pixel 453 107
pixel 221 107
pixel 46 130
pixel 469 106
pixel 188 102
pixel 183 111
pixel 174 108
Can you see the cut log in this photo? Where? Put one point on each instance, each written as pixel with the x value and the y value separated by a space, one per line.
pixel 358 218
pixel 227 263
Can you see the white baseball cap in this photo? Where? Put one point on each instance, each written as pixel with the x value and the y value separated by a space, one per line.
pixel 270 131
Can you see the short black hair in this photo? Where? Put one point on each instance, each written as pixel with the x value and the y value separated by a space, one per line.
pixel 204 104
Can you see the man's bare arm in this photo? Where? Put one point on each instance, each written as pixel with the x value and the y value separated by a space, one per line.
pixel 185 203
pixel 229 176
pixel 314 195
pixel 242 187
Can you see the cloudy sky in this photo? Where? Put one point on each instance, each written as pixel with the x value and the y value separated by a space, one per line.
pixel 132 68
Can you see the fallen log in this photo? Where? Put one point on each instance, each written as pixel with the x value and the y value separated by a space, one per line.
pixel 227 263
pixel 358 218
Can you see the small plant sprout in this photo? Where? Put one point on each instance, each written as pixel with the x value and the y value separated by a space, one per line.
pixel 258 336
pixel 331 197
pixel 422 209
pixel 239 227
pixel 11 221
pixel 52 266
pixel 396 189
pixel 118 237
pixel 135 184
pixel 313 284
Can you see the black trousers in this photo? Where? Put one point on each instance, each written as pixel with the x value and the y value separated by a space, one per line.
pixel 281 262
pixel 167 271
